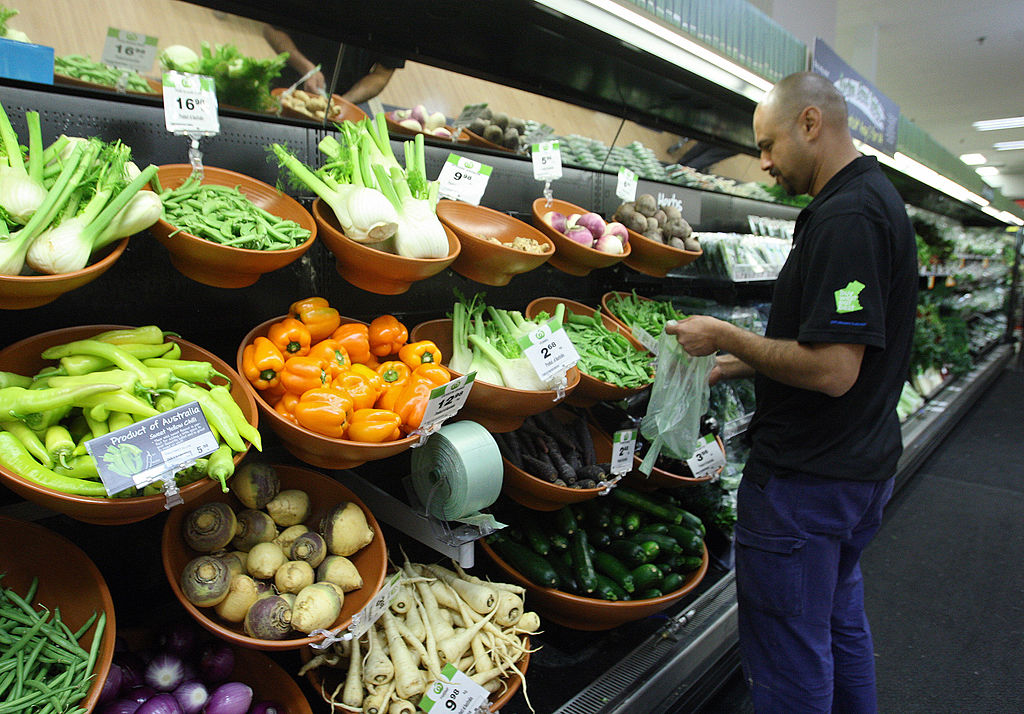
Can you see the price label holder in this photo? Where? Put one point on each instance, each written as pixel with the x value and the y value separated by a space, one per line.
pixel 625 187
pixel 444 403
pixel 190 109
pixel 623 448
pixel 707 458
pixel 463 179
pixel 549 351
pixel 547 161
pixel 130 51
pixel 454 693
pixel 362 620
pixel 153 449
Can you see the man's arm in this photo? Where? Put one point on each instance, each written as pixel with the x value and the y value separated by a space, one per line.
pixel 830 368
pixel 369 86
pixel 281 41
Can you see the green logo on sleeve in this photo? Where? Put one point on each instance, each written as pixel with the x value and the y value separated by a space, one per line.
pixel 846 298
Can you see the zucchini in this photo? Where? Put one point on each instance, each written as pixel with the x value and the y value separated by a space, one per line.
pixel 632 521
pixel 681 533
pixel 692 522
pixel 630 553
pixel 611 566
pixel 617 531
pixel 649 593
pixel 533 534
pixel 642 502
pixel 561 563
pixel 565 521
pixel 651 548
pixel 606 585
pixel 646 576
pixel 533 567
pixel 661 528
pixel 615 520
pixel 582 565
pixel 671 582
pixel 598 538
pixel 597 513
pixel 667 544
pixel 689 563
pixel 559 542
pixel 691 542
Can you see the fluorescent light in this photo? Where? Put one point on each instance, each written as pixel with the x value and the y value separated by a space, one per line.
pixel 636 29
pixel 995 124
pixel 1008 145
pixel 936 180
pixel 1004 216
pixel 987 171
pixel 973 159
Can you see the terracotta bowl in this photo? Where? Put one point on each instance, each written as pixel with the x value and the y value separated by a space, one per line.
pixel 584 613
pixel 659 478
pixel 343 110
pixel 395 128
pixel 23 358
pixel 571 257
pixel 606 307
pixel 336 677
pixel 481 260
pixel 374 270
pixel 20 292
pixel 540 494
pixel 591 390
pixel 653 258
pixel 324 493
pixel 499 409
pixel 224 266
pixel 155 85
pixel 306 445
pixel 269 681
pixel 68 580
pixel 474 139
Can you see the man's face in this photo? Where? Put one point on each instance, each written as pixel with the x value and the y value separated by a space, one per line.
pixel 783 155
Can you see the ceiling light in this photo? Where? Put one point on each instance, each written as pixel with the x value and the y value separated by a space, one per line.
pixel 994 124
pixel 1008 145
pixel 936 180
pixel 1004 216
pixel 987 171
pixel 973 159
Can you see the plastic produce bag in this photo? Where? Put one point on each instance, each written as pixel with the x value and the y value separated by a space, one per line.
pixel 679 398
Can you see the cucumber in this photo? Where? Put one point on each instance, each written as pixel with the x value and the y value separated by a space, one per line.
pixel 606 585
pixel 671 582
pixel 611 566
pixel 565 521
pixel 533 535
pixel 598 538
pixel 630 553
pixel 582 565
pixel 646 576
pixel 533 567
pixel 667 544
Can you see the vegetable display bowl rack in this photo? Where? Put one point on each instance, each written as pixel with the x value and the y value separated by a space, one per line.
pixel 655 259
pixel 606 307
pixel 659 478
pixel 498 409
pixel 572 257
pixel 591 614
pixel 482 260
pixel 325 493
pixel 374 270
pixel 68 580
pixel 225 266
pixel 21 292
pixel 591 390
pixel 474 139
pixel 309 446
pixel 23 357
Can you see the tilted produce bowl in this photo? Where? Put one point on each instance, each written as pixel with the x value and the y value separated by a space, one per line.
pixel 23 357
pixel 225 266
pixel 325 493
pixel 68 581
pixel 659 478
pixel 571 257
pixel 499 409
pixel 21 292
pixel 474 139
pixel 607 302
pixel 309 446
pixel 341 109
pixel 374 270
pixel 485 261
pixel 655 259
pixel 394 127
pixel 591 389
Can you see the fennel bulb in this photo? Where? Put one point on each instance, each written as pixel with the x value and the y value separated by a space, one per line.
pixel 20 196
pixel 420 232
pixel 61 248
pixel 516 373
pixel 143 210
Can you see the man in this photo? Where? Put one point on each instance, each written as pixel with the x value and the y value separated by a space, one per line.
pixel 825 438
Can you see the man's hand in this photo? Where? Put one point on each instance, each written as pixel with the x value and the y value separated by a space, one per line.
pixel 316 84
pixel 698 335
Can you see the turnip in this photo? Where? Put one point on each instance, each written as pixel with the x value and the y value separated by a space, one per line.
pixel 204 581
pixel 617 229
pixel 255 483
pixel 264 560
pixel 316 607
pixel 411 124
pixel 293 576
pixel 435 120
pixel 289 508
pixel 210 527
pixel 254 527
pixel 341 571
pixel 242 594
pixel 441 133
pixel 609 244
pixel 593 223
pixel 581 235
pixel 345 529
pixel 419 113
pixel 288 536
pixel 310 547
pixel 556 220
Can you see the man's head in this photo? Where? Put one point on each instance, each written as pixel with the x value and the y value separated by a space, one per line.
pixel 801 130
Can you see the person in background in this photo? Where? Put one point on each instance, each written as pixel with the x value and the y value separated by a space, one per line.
pixel 363 74
pixel 825 437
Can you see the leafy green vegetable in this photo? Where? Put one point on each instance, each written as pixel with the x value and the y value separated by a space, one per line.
pixel 650 315
pixel 241 81
pixel 607 355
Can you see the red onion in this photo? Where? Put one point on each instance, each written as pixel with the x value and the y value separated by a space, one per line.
pixel 165 672
pixel 180 638
pixel 112 684
pixel 267 708
pixel 160 704
pixel 191 696
pixel 140 694
pixel 217 662
pixel 230 698
pixel 120 706
pixel 132 668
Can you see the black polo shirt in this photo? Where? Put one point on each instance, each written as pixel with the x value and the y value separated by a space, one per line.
pixel 850 278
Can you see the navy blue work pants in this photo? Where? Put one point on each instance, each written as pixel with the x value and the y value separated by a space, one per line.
pixel 805 644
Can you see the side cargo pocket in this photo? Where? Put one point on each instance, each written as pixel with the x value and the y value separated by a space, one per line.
pixel 770 571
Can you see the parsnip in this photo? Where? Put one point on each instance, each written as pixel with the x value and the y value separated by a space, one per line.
pixel 352 695
pixel 409 680
pixel 377 667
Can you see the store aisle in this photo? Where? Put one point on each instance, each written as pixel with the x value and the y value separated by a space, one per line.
pixel 944 581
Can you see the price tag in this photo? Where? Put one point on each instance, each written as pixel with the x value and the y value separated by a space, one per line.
pixel 547 161
pixel 446 400
pixel 190 104
pixel 707 458
pixel 453 693
pixel 623 448
pixel 550 353
pixel 463 179
pixel 646 339
pixel 145 451
pixel 372 611
pixel 129 50
pixel 625 187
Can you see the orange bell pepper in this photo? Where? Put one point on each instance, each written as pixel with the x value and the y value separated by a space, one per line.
pixel 374 426
pixel 387 335
pixel 332 354
pixel 394 375
pixel 271 395
pixel 262 363
pixel 375 380
pixel 355 338
pixel 317 315
pixel 301 374
pixel 358 387
pixel 416 353
pixel 324 410
pixel 290 336
pixel 285 406
pixel 412 400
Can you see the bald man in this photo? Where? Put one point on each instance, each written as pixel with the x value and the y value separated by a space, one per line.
pixel 825 437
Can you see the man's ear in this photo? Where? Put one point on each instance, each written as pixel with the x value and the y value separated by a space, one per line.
pixel 810 122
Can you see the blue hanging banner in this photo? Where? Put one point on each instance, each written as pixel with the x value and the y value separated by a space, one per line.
pixel 874 118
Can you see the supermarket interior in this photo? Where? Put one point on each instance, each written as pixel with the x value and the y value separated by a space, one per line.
pixel 334 373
